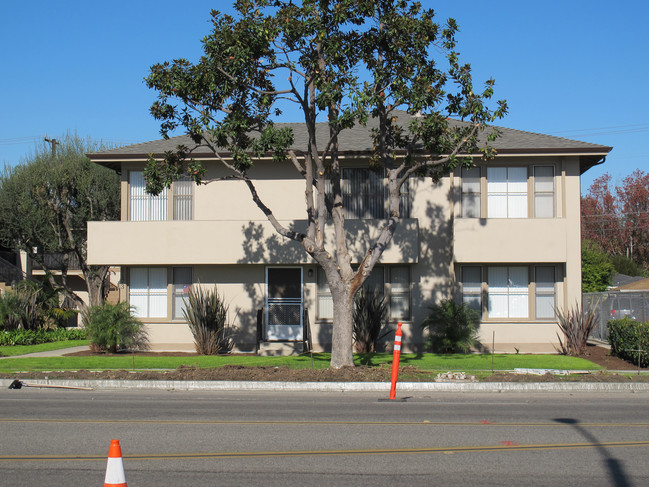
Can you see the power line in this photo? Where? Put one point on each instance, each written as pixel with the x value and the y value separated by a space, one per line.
pixel 20 140
pixel 611 130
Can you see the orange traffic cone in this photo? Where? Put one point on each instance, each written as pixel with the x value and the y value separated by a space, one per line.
pixel 115 466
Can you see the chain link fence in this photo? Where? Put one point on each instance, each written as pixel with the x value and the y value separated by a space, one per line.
pixel 615 305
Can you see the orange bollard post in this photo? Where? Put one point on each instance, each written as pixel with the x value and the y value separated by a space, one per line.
pixel 396 354
pixel 115 467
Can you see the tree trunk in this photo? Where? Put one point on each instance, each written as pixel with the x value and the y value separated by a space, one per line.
pixel 95 282
pixel 341 340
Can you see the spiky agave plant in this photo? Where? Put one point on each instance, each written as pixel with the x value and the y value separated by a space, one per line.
pixel 370 312
pixel 576 326
pixel 206 314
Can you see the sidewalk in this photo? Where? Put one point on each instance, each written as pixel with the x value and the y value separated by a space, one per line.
pixel 51 353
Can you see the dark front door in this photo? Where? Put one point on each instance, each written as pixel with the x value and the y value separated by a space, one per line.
pixel 284 303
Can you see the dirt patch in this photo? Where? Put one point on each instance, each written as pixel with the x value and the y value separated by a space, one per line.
pixel 598 355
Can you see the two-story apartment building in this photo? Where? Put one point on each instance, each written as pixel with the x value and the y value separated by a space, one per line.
pixel 503 237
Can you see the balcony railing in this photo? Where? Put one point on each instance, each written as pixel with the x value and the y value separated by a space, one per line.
pixel 55 261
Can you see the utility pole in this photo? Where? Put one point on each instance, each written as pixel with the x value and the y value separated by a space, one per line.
pixel 54 142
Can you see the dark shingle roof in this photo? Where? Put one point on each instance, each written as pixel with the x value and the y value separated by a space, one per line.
pixel 358 139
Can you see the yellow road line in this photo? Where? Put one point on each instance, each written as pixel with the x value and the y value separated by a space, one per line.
pixel 267 454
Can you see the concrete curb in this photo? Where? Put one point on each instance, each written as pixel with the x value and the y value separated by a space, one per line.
pixel 171 385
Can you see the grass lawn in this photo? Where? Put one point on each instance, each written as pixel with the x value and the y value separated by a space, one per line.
pixel 427 362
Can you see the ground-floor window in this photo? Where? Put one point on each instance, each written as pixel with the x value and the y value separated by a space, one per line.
pixel 155 292
pixel 510 291
pixel 390 282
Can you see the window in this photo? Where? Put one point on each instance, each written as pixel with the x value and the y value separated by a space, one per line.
pixel 507 192
pixel 148 291
pixel 364 194
pixel 472 287
pixel 508 292
pixel 544 191
pixel 399 292
pixel 143 206
pixel 471 192
pixel 183 195
pixel 511 292
pixel 146 207
pixel 325 304
pixel 544 280
pixel 392 282
pixel 182 284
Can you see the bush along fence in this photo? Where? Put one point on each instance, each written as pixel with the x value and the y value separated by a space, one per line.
pixel 615 305
pixel 629 340
pixel 35 337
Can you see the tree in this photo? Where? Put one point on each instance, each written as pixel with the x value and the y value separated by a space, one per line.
pixel 596 268
pixel 618 218
pixel 45 203
pixel 276 52
pixel 633 197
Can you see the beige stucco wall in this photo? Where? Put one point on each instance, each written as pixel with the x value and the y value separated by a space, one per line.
pixel 230 244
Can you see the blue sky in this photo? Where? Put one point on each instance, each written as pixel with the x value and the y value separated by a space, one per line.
pixel 569 68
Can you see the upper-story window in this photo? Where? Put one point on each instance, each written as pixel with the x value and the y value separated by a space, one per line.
pixel 504 193
pixel 471 186
pixel 364 194
pixel 544 191
pixel 143 206
pixel 146 207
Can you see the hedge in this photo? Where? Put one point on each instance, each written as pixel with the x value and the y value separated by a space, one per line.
pixel 34 337
pixel 627 335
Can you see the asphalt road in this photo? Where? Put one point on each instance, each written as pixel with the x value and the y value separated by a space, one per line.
pixel 53 437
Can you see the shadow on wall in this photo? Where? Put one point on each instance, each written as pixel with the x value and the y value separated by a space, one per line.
pixel 431 279
pixel 430 276
pixel 259 251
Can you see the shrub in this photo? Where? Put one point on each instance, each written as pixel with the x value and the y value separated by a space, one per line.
pixel 625 336
pixel 452 327
pixel 112 327
pixel 370 312
pixel 206 314
pixel 35 337
pixel 576 326
pixel 31 305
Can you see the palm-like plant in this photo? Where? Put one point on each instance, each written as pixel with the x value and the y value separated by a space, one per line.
pixel 112 327
pixel 452 327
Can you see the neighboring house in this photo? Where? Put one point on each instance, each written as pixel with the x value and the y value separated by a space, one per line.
pixel 503 237
pixel 11 271
pixel 625 283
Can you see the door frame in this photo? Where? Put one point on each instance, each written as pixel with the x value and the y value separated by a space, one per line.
pixel 287 332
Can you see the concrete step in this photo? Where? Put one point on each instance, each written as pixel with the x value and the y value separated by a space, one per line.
pixel 269 349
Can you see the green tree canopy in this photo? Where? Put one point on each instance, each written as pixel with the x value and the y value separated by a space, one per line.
pixel 342 62
pixel 45 203
pixel 596 268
